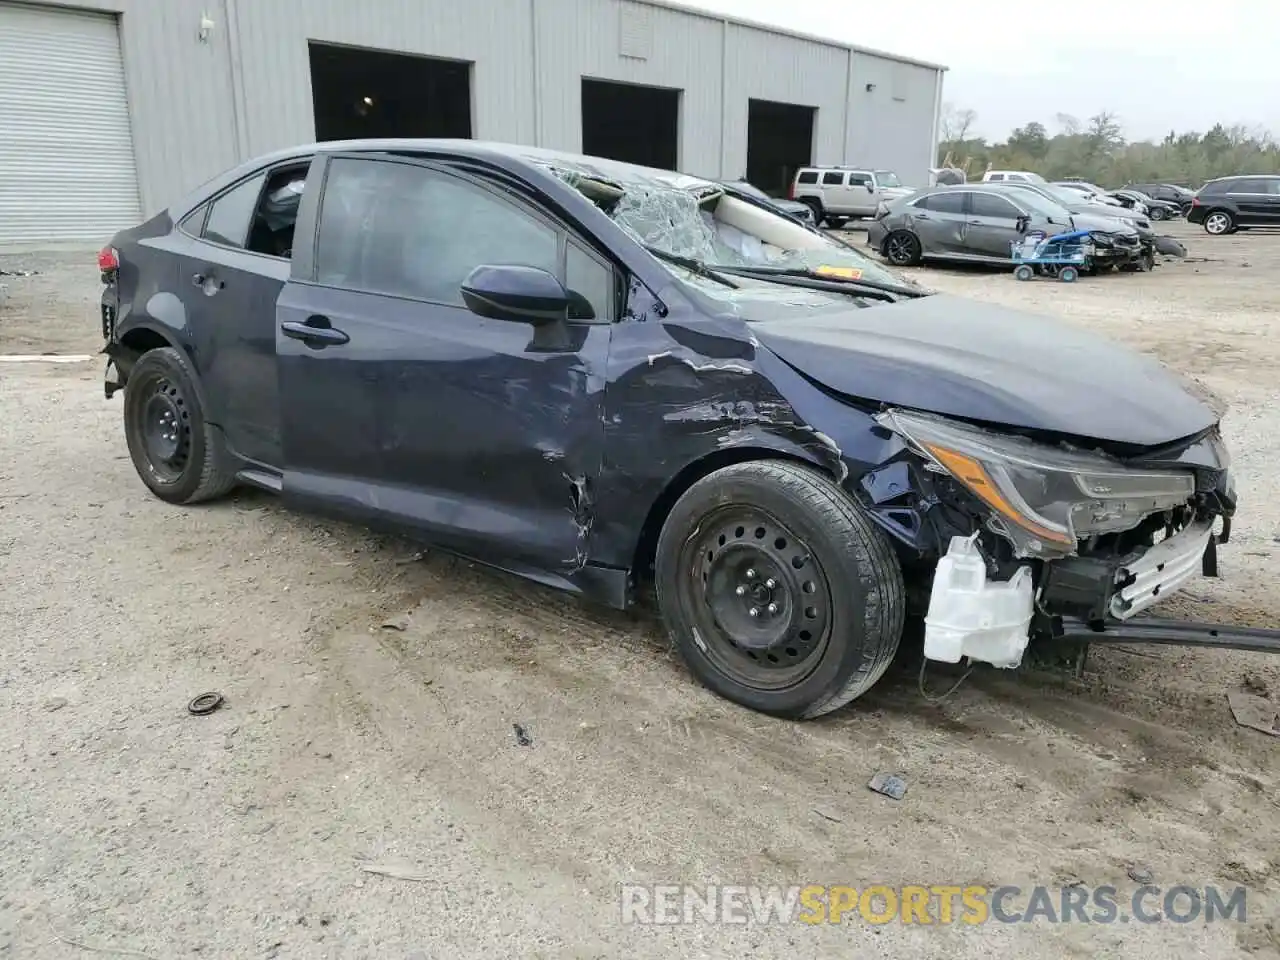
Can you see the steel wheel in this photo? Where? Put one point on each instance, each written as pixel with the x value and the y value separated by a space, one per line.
pixel 178 456
pixel 163 422
pixel 1159 213
pixel 763 602
pixel 1217 223
pixel 902 249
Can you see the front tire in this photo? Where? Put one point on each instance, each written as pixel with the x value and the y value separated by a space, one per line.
pixel 902 249
pixel 1218 222
pixel 784 541
pixel 177 455
pixel 1159 213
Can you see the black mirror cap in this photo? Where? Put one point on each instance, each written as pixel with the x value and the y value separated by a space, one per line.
pixel 515 293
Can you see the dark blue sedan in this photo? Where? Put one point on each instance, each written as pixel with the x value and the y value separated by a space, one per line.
pixel 608 378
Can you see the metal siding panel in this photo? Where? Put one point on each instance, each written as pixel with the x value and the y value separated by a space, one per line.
pixel 578 38
pixel 494 34
pixel 769 66
pixel 891 127
pixel 67 170
pixel 180 97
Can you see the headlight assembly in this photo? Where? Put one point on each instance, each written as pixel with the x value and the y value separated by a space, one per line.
pixel 1044 499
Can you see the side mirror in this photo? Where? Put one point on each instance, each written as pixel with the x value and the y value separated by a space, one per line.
pixel 1023 222
pixel 518 294
pixel 871 187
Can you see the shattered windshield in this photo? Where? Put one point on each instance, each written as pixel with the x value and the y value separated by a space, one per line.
pixel 697 220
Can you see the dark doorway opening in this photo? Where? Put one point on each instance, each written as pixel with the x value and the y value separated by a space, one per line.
pixel 779 140
pixel 630 122
pixel 373 93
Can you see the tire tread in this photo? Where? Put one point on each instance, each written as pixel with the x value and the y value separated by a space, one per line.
pixel 861 539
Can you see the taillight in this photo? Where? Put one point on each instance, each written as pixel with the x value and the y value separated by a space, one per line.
pixel 108 263
pixel 1195 201
pixel 791 190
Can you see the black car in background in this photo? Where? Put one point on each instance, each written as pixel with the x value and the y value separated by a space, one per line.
pixel 1156 209
pixel 1168 192
pixel 604 377
pixel 1229 204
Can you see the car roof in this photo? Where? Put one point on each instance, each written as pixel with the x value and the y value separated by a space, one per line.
pixel 470 149
pixel 1246 176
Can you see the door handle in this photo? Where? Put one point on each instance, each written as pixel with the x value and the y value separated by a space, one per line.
pixel 316 332
pixel 923 216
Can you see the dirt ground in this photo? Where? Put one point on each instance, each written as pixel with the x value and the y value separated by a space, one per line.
pixel 134 828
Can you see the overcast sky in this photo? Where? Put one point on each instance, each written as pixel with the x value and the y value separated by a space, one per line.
pixel 1158 66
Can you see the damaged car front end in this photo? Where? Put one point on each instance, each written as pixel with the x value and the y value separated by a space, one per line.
pixel 1037 532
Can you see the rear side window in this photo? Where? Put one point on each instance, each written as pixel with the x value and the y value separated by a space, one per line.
pixel 409 231
pixel 996 176
pixel 808 176
pixel 1259 185
pixel 942 202
pixel 229 215
pixel 1217 187
pixel 832 179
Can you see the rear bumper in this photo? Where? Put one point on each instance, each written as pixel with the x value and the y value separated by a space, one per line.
pixel 876 233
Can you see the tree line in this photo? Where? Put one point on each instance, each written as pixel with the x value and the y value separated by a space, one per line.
pixel 1096 150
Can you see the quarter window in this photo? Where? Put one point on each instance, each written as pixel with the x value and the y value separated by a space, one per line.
pixel 588 277
pixel 228 222
pixel 405 230
pixel 943 202
pixel 809 176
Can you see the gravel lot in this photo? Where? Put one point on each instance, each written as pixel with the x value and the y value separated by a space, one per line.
pixel 134 828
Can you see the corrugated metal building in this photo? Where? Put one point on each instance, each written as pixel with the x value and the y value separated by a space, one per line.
pixel 110 109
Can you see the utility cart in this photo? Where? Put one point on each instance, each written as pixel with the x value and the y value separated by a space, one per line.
pixel 1063 255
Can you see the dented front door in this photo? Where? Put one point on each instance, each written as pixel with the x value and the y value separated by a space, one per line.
pixel 484 435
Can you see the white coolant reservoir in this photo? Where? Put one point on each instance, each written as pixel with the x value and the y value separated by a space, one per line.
pixel 971 616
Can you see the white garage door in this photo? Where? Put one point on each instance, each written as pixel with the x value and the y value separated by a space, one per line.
pixel 67 171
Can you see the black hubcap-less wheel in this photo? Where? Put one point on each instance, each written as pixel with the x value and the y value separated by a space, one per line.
pixel 163 422
pixel 766 607
pixel 901 249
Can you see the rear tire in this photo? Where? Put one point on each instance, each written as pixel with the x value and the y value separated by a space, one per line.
pixel 902 248
pixel 1217 223
pixel 1024 272
pixel 785 541
pixel 176 453
pixel 815 206
pixel 1068 274
pixel 1159 213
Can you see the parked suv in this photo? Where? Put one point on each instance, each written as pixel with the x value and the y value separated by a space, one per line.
pixel 837 194
pixel 1229 204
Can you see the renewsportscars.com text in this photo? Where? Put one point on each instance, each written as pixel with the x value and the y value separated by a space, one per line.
pixel 928 905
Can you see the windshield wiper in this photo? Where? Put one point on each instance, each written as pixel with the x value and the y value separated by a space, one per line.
pixel 693 266
pixel 871 288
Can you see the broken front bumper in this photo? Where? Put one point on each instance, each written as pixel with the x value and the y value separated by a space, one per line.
pixel 991 621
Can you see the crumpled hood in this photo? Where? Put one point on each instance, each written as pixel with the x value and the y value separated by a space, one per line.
pixel 970 360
